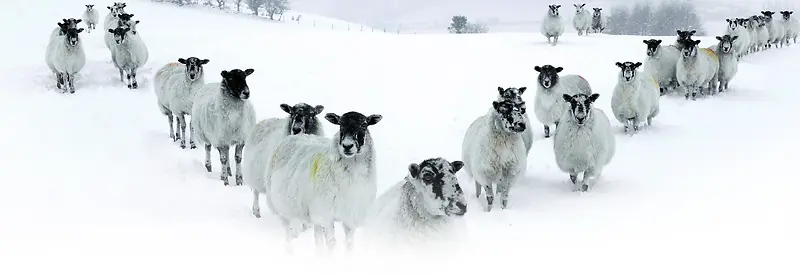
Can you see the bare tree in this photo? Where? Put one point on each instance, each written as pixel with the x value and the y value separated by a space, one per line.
pixel 255 5
pixel 645 19
pixel 221 4
pixel 238 4
pixel 276 7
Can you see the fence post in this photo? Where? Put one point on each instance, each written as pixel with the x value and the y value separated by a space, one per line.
pixel 331 26
pixel 315 22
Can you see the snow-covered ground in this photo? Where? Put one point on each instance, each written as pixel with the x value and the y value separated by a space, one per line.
pixel 93 183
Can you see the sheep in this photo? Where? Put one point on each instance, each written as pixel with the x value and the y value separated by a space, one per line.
pixel 175 87
pixel 515 94
pixel 71 23
pixel 66 57
pixel 223 117
pixel 635 97
pixel 585 144
pixel 752 28
pixel 55 39
pixel 792 27
pixel 123 20
pixel 424 206
pixel 547 106
pixel 582 20
pixel 552 25
pixel 777 31
pixel 735 29
pixel 90 16
pixel 728 65
pixel 320 180
pixel 763 33
pixel 598 20
pixel 697 69
pixel 128 54
pixel 494 151
pixel 660 63
pixel 683 36
pixel 111 18
pixel 267 134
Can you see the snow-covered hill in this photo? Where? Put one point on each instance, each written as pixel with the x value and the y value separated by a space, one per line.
pixel 93 184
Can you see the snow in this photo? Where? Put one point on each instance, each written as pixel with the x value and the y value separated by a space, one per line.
pixel 94 183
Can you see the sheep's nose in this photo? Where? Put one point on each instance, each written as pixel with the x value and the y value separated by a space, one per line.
pixel 462 208
pixel 347 147
pixel 519 126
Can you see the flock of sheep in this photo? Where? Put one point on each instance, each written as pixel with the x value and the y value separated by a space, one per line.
pixel 310 180
pixel 553 26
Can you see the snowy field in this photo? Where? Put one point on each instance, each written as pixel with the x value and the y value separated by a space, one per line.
pixel 95 185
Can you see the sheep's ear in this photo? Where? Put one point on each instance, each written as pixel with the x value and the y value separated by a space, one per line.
pixel 374 119
pixel 567 98
pixel 204 61
pixel 130 15
pixel 108 7
pixel 181 60
pixel 318 109
pixel 413 170
pixel 133 32
pixel 576 5
pixel 678 31
pixel 559 69
pixel 658 41
pixel 457 165
pixel 599 9
pixel 584 4
pixel 719 38
pixel 593 97
pixel 332 118
pixel 538 69
pixel 618 64
pixel 224 73
pixel 137 21
pixel 697 42
pixel 248 72
pixel 734 38
pixel 637 64
pixel 646 42
pixel 693 32
pixel 495 105
pixel 78 21
pixel 80 30
pixel 522 90
pixel 286 108
pixel 558 6
pixel 111 30
pixel 500 90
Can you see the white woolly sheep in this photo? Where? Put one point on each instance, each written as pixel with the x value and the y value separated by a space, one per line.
pixel 494 151
pixel 176 85
pixel 598 20
pixel 582 20
pixel 777 30
pixel 319 180
pixel 548 106
pixel 728 64
pixel 752 26
pixel 122 20
pixel 515 94
pixel 660 63
pixel 66 57
pixel 223 117
pixel 635 98
pixel 682 37
pixel 422 207
pixel 742 44
pixel 54 40
pixel 763 33
pixel 128 54
pixel 585 143
pixel 552 25
pixel 90 16
pixel 697 69
pixel 111 17
pixel 266 135
pixel 792 27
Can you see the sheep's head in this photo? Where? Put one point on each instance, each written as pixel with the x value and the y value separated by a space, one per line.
pixel 580 106
pixel 548 75
pixel 194 67
pixel 787 14
pixel 435 180
pixel 120 34
pixel 685 35
pixel 512 94
pixel 732 25
pixel 89 7
pixel 628 70
pixel 652 46
pixel 509 115
pixel 302 118
pixel 597 12
pixel 579 8
pixel 726 43
pixel 125 16
pixel 689 47
pixel 553 10
pixel 235 83
pixel 117 8
pixel 768 14
pixel 71 34
pixel 352 131
pixel 72 22
pixel 125 21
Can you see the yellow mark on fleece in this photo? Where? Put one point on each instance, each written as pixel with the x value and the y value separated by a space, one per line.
pixel 711 53
pixel 173 64
pixel 655 83
pixel 315 165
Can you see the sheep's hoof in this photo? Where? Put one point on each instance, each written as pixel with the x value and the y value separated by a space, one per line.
pixel 129 86
pixel 225 181
pixel 257 213
pixel 229 171
pixel 239 180
pixel 192 146
pixel 183 145
pixel 135 86
pixel 208 167
pixel 584 188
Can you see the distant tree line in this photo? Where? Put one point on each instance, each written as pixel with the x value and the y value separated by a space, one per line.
pixel 460 24
pixel 269 8
pixel 648 19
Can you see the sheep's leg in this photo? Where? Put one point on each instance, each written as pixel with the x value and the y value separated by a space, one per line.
pixel 224 152
pixel 478 189
pixel 577 185
pixel 502 189
pixel 182 132
pixel 649 121
pixel 349 237
pixel 237 157
pixel 319 237
pixel 168 113
pixel 134 84
pixel 330 236
pixel 128 76
pixel 489 196
pixel 256 208
pixel 555 40
pixel 546 131
pixel 59 81
pixel 192 145
pixel 208 157
pixel 71 82
pixel 290 234
pixel 121 75
pixel 548 40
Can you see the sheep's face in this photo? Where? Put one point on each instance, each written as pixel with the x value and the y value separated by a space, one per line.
pixel 548 75
pixel 787 14
pixel 352 131
pixel 120 34
pixel 235 83
pixel 194 67
pixel 435 180
pixel 302 118
pixel 726 42
pixel 689 48
pixel 732 24
pixel 685 35
pixel 553 10
pixel 768 15
pixel 512 94
pixel 72 37
pixel 72 22
pixel 89 7
pixel 579 8
pixel 652 46
pixel 510 115
pixel 628 70
pixel 580 106
pixel 597 12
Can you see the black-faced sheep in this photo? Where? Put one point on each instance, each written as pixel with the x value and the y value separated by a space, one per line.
pixel 598 20
pixel 552 25
pixel 548 106
pixel 515 94
pixel 697 69
pixel 635 98
pixel 792 27
pixel 222 116
pixel 65 56
pixel 176 85
pixel 777 30
pixel 728 63
pixel 660 63
pixel 128 54
pixel 683 36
